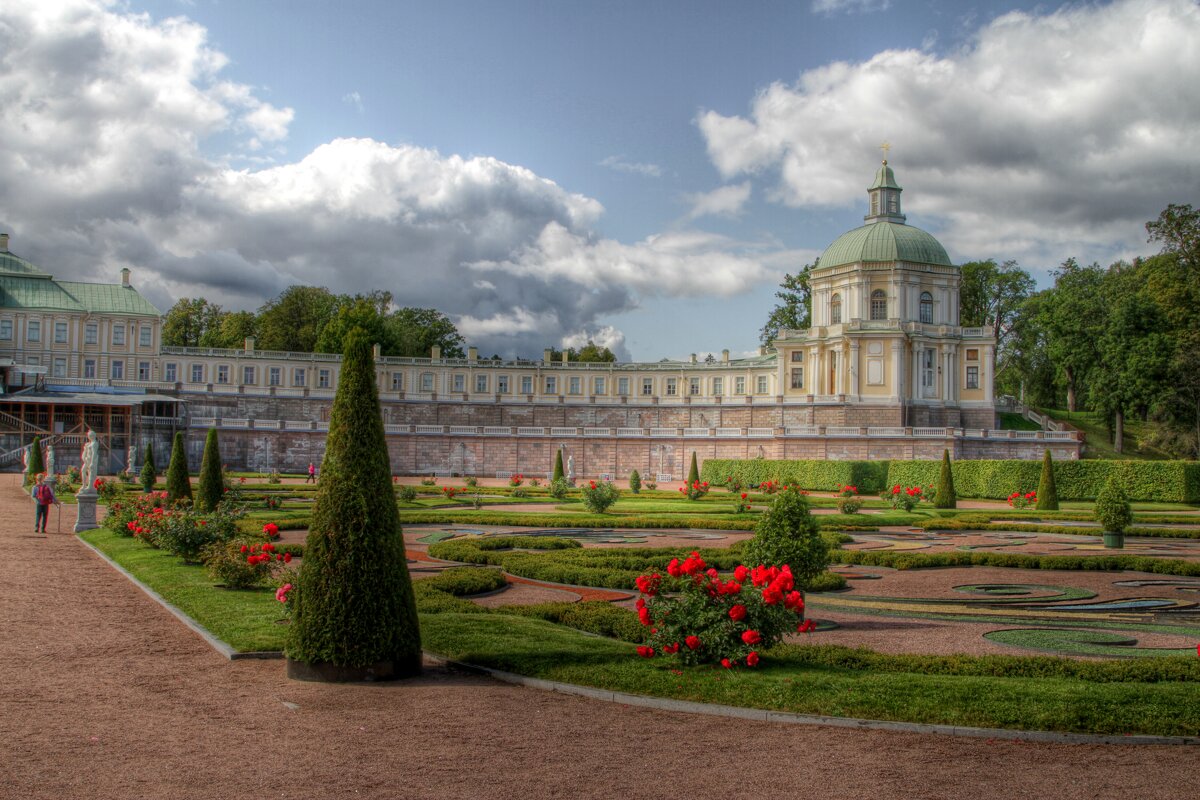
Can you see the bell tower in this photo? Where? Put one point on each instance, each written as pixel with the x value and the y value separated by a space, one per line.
pixel 885 194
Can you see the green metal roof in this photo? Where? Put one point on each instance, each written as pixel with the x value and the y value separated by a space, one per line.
pixel 884 178
pixel 24 285
pixel 882 242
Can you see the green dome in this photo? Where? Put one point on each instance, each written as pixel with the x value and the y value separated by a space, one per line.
pixel 885 241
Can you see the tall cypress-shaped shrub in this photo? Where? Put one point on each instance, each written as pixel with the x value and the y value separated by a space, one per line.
pixel 211 487
pixel 178 485
pixel 37 463
pixel 559 474
pixel 945 497
pixel 1047 493
pixel 693 472
pixel 354 617
pixel 149 471
pixel 635 482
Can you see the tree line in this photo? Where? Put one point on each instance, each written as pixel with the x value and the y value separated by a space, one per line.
pixel 1122 341
pixel 311 319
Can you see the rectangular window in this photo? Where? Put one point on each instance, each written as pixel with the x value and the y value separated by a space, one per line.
pixel 60 333
pixel 6 329
pixel 718 386
pixel 144 336
pixel 118 334
pixel 323 379
pixel 693 386
pixel 647 386
pixel 972 355
pixel 502 384
pixel 197 373
pixel 761 384
pixel 575 385
pixel 60 368
pixel 526 384
pixel 739 385
pixel 397 380
pixel 33 331
pixel 275 376
pixel 299 376
pixel 143 370
pixel 797 356
pixel 222 373
pixel 118 370
pixel 551 385
pixel 623 387
pixel 460 383
pixel 481 384
pixel 797 377
pixel 426 382
pixel 89 368
pixel 170 373
pixel 598 386
pixel 972 377
pixel 927 368
pixel 671 386
pixel 248 376
pixel 91 333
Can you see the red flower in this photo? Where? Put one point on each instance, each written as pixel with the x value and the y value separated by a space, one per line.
pixel 737 613
pixel 751 637
pixel 287 557
pixel 244 549
pixel 271 529
pixel 99 482
pixel 673 568
pixel 648 584
pixel 794 601
pixel 752 659
pixel 644 616
pixel 896 489
pixel 692 642
pixel 645 652
pixel 741 573
pixel 743 495
pixel 726 663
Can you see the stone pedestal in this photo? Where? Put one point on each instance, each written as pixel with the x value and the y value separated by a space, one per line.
pixel 85 519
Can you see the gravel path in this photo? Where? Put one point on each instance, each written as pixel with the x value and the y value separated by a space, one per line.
pixel 104 695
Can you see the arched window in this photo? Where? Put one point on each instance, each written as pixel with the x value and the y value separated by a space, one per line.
pixel 879 304
pixel 835 310
pixel 926 308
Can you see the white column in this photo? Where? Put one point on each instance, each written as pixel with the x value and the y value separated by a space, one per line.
pixel 947 377
pixel 854 366
pixel 898 369
pixel 989 358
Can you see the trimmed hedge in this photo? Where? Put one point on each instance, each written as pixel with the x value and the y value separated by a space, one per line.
pixel 909 560
pixel 821 476
pixel 1159 481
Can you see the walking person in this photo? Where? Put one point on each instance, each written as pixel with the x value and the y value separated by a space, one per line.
pixel 312 473
pixel 43 496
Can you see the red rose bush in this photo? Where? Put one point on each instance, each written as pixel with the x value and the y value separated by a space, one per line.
pixel 701 618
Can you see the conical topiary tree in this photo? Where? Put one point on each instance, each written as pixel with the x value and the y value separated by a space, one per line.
pixel 945 496
pixel 788 534
pixel 1047 493
pixel 635 482
pixel 559 473
pixel 211 488
pixel 693 471
pixel 354 615
pixel 37 463
pixel 179 486
pixel 149 471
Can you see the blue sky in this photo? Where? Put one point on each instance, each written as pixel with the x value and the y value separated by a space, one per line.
pixel 638 173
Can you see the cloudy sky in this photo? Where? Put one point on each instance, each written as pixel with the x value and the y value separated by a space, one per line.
pixel 546 172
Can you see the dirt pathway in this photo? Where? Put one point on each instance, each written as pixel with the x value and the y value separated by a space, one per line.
pixel 104 695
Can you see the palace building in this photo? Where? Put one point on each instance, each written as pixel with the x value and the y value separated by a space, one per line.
pixel 884 372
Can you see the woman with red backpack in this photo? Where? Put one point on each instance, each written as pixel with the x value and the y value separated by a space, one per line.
pixel 43 496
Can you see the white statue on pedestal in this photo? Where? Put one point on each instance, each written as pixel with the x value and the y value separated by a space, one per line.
pixel 571 469
pixel 50 460
pixel 89 461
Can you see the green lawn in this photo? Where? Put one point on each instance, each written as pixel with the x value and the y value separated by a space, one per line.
pixel 1016 422
pixel 1099 441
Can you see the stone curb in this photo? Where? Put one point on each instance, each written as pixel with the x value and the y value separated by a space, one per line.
pixel 224 648
pixel 712 709
pixel 686 706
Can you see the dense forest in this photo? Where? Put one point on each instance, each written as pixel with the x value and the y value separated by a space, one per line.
pixel 1122 341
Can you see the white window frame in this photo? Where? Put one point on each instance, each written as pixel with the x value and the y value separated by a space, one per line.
pixel 89 368
pixel 647 387
pixel 574 385
pixel 323 378
pixel 171 372
pixel 623 387
pixel 797 377
pixel 459 383
pixel 222 373
pixel 249 375
pixel 33 331
pixel 762 385
pixel 196 370
pixel 145 336
pixel 693 387
pixel 299 377
pixel 672 386
pixel 6 330
pixel 275 376
pixel 502 384
pixel 91 333
pixel 116 370
pixel 526 384
pixel 481 383
pixel 551 384
pixel 59 370
pixel 397 381
pixel 62 333
pixel 427 382
pixel 118 335
pixel 145 371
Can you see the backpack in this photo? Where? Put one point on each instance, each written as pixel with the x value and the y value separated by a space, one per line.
pixel 43 495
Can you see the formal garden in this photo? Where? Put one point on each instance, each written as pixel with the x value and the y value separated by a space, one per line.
pixel 1024 595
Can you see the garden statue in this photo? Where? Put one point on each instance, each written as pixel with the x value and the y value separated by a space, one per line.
pixel 571 470
pixel 129 460
pixel 89 460
pixel 50 460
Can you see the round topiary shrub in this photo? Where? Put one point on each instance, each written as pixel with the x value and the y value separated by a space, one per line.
pixel 1112 511
pixel 788 534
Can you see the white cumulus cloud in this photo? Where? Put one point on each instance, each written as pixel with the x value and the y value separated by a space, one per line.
pixel 723 201
pixel 1048 135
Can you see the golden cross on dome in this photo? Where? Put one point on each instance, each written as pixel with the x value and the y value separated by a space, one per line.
pixel 885 147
